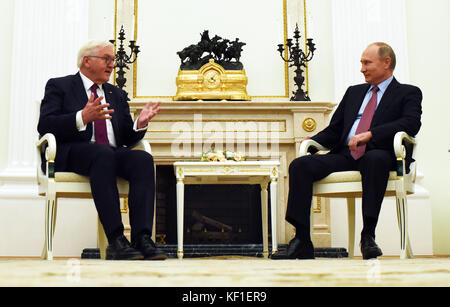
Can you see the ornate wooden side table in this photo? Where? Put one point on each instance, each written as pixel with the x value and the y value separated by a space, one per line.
pixel 230 172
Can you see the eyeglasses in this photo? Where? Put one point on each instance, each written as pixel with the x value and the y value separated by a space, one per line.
pixel 107 60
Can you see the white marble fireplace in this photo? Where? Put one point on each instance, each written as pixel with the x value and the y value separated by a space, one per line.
pixel 263 130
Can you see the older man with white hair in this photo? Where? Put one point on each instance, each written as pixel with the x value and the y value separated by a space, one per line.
pixel 91 121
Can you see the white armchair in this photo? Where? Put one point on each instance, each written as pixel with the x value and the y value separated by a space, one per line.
pixel 348 185
pixel 53 185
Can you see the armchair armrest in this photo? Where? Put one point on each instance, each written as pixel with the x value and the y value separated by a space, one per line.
pixel 399 148
pixel 306 144
pixel 404 150
pixel 50 151
pixel 50 154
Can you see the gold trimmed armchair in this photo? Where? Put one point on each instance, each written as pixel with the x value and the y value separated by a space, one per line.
pixel 348 185
pixel 53 185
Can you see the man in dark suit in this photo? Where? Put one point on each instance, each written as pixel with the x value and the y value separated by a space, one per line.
pixel 91 121
pixel 360 136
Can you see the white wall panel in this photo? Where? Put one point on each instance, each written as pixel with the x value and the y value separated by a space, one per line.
pixel 165 27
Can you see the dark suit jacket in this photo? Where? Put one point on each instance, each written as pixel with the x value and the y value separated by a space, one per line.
pixel 400 109
pixel 63 98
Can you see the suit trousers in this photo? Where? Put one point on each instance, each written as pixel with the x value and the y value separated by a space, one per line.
pixel 103 164
pixel 374 166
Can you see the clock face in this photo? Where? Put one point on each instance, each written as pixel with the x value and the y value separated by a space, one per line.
pixel 211 79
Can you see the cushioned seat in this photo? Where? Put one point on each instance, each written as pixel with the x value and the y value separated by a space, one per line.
pixel 74 177
pixel 349 176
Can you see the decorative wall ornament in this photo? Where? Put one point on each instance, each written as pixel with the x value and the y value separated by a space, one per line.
pixel 211 70
pixel 213 155
pixel 298 58
pixel 309 124
pixel 224 52
pixel 122 59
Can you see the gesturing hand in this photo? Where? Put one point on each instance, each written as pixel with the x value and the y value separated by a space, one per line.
pixel 95 110
pixel 147 113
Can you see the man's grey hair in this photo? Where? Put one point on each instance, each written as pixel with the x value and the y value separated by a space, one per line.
pixel 90 48
pixel 386 51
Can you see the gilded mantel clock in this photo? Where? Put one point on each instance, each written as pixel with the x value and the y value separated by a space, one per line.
pixel 211 70
pixel 211 82
pixel 211 79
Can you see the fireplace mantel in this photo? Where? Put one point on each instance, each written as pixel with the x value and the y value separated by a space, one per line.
pixel 263 129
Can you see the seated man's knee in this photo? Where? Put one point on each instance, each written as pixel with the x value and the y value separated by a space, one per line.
pixel 104 156
pixel 148 162
pixel 144 164
pixel 299 165
pixel 144 158
pixel 148 157
pixel 377 159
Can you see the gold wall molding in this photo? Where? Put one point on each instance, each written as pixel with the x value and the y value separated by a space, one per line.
pixel 318 208
pixel 309 124
pixel 282 125
pixel 305 35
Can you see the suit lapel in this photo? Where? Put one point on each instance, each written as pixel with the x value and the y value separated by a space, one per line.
pixel 81 98
pixel 352 105
pixel 79 90
pixel 111 99
pixel 385 101
pixel 357 100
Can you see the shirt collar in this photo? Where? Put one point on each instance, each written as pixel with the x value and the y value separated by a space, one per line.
pixel 87 83
pixel 383 85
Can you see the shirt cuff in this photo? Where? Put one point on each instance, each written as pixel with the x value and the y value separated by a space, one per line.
pixel 135 126
pixel 79 119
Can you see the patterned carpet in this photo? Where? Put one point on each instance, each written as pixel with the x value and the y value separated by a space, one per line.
pixel 227 272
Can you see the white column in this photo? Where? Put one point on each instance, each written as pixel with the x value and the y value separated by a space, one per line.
pixel 47 36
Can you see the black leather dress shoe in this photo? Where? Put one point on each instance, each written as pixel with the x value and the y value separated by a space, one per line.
pixel 148 248
pixel 295 250
pixel 369 249
pixel 120 249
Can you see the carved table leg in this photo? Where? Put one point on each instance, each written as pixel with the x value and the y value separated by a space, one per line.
pixel 273 212
pixel 180 217
pixel 264 219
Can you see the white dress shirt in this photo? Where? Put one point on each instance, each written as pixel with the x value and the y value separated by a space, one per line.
pixel 381 89
pixel 87 83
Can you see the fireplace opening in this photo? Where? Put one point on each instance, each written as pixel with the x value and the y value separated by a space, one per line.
pixel 213 214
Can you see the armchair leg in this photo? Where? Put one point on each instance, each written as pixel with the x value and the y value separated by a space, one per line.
pixel 102 240
pixel 402 218
pixel 154 209
pixel 409 253
pixel 351 226
pixel 154 222
pixel 273 214
pixel 50 220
